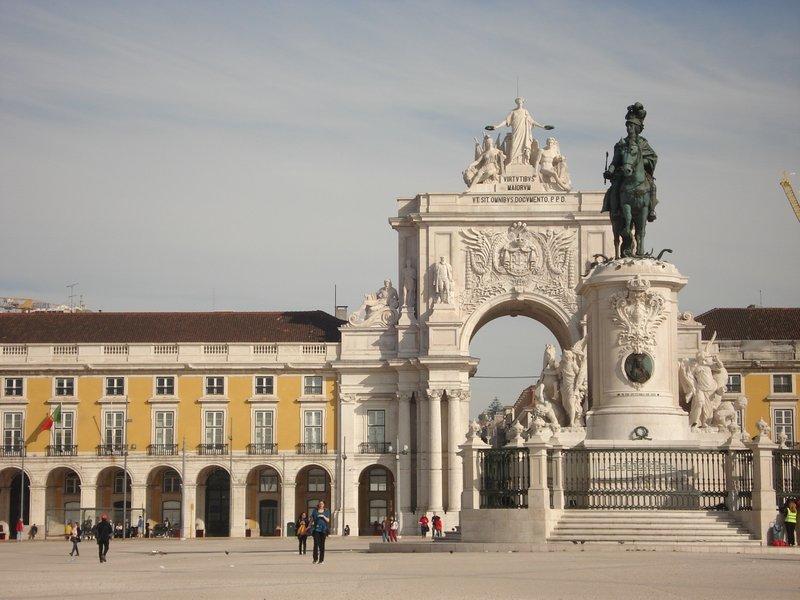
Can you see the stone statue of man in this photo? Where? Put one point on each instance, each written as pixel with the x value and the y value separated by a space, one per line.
pixel 521 123
pixel 488 165
pixel 409 284
pixel 443 280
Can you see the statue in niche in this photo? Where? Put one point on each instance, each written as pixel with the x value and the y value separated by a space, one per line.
pixel 552 167
pixel 703 381
pixel 443 281
pixel 380 308
pixel 409 285
pixel 521 146
pixel 488 166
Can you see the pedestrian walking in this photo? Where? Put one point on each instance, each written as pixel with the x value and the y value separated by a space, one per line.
pixel 393 530
pixel 19 529
pixel 303 528
pixel 147 529
pixel 437 526
pixel 321 523
pixel 385 526
pixel 140 527
pixel 790 521
pixel 103 533
pixel 75 539
pixel 32 532
pixel 423 526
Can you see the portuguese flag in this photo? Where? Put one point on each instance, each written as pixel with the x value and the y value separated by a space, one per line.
pixel 53 417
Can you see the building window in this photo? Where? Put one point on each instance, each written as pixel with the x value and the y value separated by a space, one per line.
pixel 64 432
pixel 783 421
pixel 263 427
pixel 171 511
pixel 267 482
pixel 782 384
pixel 165 428
pixel 215 427
pixel 165 386
pixel 317 480
pixel 115 386
pixel 312 385
pixel 265 385
pixel 215 386
pixel 13 386
pixel 376 426
pixel 734 384
pixel 119 481
pixel 171 482
pixel 377 510
pixel 312 429
pixel 65 386
pixel 115 428
pixel 12 430
pixel 377 480
pixel 72 484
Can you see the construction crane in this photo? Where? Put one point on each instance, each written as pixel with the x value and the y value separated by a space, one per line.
pixel 790 195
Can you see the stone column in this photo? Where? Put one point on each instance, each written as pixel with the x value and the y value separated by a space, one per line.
pixel 558 473
pixel 138 501
pixel 237 509
pixel 344 495
pixel 435 450
pixel 421 450
pixel 200 507
pixel 455 434
pixel 403 481
pixel 538 491
pixel 188 510
pixel 37 507
pixel 764 502
pixel 89 498
pixel 288 490
pixel 470 496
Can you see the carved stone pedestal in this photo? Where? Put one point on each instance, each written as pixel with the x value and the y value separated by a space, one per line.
pixel 633 340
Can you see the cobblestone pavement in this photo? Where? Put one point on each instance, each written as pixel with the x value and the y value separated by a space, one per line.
pixel 269 568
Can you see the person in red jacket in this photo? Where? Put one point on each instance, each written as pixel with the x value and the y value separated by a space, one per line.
pixel 19 527
pixel 423 526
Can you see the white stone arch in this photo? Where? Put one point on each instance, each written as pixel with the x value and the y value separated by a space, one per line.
pixel 565 326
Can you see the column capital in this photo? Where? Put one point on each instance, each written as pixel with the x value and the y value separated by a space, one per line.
pixel 459 394
pixel 435 393
pixel 404 395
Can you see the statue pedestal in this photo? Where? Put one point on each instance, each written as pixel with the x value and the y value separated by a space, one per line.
pixel 632 334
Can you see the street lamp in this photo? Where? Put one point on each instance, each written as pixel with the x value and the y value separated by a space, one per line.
pixel 397 454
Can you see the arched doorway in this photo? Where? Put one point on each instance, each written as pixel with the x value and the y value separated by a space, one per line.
pixel 62 500
pixel 164 502
pixel 112 493
pixel 12 485
pixel 216 503
pixel 376 498
pixel 313 485
pixel 263 502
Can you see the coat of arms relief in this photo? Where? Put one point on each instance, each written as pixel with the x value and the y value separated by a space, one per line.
pixel 520 259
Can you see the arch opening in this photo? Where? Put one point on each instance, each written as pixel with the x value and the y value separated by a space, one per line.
pixel 376 499
pixel 263 501
pixel 164 503
pixel 313 485
pixel 62 500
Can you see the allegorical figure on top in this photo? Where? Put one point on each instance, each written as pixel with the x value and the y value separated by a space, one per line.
pixel 520 150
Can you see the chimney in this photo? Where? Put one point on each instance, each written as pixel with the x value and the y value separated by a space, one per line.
pixel 341 312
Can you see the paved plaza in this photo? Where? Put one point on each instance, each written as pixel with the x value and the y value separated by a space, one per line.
pixel 259 568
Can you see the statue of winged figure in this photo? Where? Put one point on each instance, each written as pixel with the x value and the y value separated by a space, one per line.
pixel 702 380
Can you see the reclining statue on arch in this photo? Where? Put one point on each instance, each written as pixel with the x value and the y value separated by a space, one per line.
pixel 380 308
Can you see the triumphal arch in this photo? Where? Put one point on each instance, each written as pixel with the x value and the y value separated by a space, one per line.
pixel 515 240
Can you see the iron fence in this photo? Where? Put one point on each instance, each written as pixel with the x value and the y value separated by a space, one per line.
pixel 375 448
pixel 786 474
pixel 504 477
pixel 162 450
pixel 742 479
pixel 312 448
pixel 658 479
pixel 262 448
pixel 62 450
pixel 212 449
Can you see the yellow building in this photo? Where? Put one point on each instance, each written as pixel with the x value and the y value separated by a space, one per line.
pixel 760 348
pixel 184 402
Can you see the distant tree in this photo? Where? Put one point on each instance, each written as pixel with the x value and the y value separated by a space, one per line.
pixel 495 407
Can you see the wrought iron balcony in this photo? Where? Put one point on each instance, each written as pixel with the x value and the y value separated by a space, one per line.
pixel 162 449
pixel 112 449
pixel 12 450
pixel 375 448
pixel 312 448
pixel 62 450
pixel 262 448
pixel 212 449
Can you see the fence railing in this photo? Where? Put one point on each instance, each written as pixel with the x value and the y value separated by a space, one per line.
pixel 504 477
pixel 162 449
pixel 786 474
pixel 315 448
pixel 112 449
pixel 12 450
pixel 62 450
pixel 375 448
pixel 742 479
pixel 212 449
pixel 663 479
pixel 262 448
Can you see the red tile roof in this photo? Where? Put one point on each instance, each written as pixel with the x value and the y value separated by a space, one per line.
pixel 166 327
pixel 754 323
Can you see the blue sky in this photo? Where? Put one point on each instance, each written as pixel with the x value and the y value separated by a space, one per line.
pixel 163 153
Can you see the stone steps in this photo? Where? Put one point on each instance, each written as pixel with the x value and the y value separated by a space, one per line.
pixel 650 527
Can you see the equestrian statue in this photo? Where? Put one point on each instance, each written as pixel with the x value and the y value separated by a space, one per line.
pixel 631 199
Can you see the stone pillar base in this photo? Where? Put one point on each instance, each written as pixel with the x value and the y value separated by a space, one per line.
pixel 618 423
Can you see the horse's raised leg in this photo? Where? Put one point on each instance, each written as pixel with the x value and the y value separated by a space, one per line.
pixel 627 239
